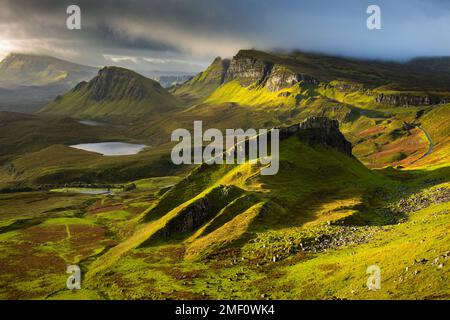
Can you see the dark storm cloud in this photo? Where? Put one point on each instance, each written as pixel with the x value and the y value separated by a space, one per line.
pixel 188 33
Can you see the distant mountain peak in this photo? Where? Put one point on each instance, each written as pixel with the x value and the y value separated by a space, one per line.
pixel 32 69
pixel 116 83
pixel 114 94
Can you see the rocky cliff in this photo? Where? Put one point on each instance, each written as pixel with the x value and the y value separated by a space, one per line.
pixel 250 70
pixel 319 130
pixel 410 100
pixel 280 78
pixel 195 214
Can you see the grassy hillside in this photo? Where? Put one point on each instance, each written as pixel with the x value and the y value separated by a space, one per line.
pixel 377 102
pixel 115 94
pixel 41 157
pixel 203 84
pixel 225 197
pixel 435 123
pixel 38 132
pixel 142 228
pixel 283 237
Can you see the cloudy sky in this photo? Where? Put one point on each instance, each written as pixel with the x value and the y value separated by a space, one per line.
pixel 185 35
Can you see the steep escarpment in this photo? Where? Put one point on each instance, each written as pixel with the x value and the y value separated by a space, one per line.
pixel 405 100
pixel 115 94
pixel 253 77
pixel 250 70
pixel 319 130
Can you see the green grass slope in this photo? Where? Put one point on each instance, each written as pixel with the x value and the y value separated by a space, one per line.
pixel 203 84
pixel 436 123
pixel 220 207
pixel 24 133
pixel 115 94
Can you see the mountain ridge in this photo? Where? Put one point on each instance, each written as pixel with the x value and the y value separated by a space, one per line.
pixel 34 80
pixel 30 69
pixel 376 79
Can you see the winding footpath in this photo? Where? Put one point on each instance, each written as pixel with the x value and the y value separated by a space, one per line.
pixel 430 145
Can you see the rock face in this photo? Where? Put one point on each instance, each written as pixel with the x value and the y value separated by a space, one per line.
pixel 189 219
pixel 410 100
pixel 249 70
pixel 281 78
pixel 223 65
pixel 319 130
pixel 197 213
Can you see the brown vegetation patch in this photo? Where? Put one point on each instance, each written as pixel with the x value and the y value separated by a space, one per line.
pixel 85 239
pixel 411 147
pixel 179 274
pixel 172 253
pixel 43 234
pixel 371 131
pixel 105 208
pixel 26 258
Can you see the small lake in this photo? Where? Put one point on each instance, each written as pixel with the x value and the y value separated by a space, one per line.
pixel 111 148
pixel 93 123
pixel 94 191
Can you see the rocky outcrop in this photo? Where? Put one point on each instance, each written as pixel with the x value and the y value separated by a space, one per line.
pixel 218 69
pixel 190 219
pixel 280 78
pixel 198 212
pixel 346 86
pixel 80 86
pixel 254 71
pixel 319 130
pixel 410 100
pixel 248 71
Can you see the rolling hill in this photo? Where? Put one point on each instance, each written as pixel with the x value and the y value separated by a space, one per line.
pixel 40 156
pixel 115 94
pixel 219 206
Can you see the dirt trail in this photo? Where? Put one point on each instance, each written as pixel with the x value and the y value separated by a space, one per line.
pixel 430 145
